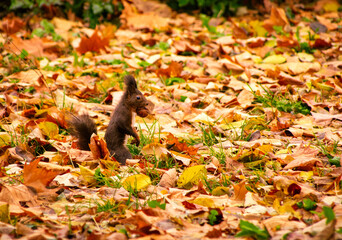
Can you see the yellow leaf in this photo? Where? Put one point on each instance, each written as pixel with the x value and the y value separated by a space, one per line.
pixel 306 176
pixel 156 149
pixel 191 176
pixel 109 164
pixel 331 7
pixel 219 191
pixel 258 28
pixel 257 59
pixel 271 43
pixel 286 207
pixel 265 148
pixel 88 175
pixel 49 129
pixel 206 202
pixel 322 86
pixel 275 59
pixel 136 182
pixel 5 139
pixel 4 212
pixel 305 57
pixel 282 151
pixel 232 125
pixel 203 118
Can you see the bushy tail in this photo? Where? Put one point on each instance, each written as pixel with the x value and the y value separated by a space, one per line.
pixel 82 127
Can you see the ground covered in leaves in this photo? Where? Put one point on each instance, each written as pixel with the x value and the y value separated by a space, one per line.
pixel 244 140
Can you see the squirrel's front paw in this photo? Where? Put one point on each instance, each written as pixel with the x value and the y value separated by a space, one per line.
pixel 136 141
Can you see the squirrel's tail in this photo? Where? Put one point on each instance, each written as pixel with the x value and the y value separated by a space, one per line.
pixel 82 127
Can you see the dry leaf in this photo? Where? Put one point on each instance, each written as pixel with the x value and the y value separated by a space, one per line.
pixel 39 178
pixel 95 43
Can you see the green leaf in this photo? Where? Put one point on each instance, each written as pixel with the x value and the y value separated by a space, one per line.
pixel 250 230
pixel 335 161
pixel 16 4
pixel 39 32
pixel 205 22
pixel 155 204
pixel 164 46
pixel 308 204
pixel 182 3
pixel 144 64
pixel 48 27
pixel 97 8
pixel 212 217
pixel 171 81
pixel 109 8
pixel 329 214
pixel 183 98
pixel 23 54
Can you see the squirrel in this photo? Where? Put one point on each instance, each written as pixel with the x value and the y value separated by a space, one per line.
pixel 120 124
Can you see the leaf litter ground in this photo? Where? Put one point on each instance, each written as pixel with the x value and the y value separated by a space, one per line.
pixel 244 140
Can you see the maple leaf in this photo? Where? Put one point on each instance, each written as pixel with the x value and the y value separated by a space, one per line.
pixel 93 44
pixel 174 70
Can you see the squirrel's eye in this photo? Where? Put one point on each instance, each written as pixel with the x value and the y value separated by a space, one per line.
pixel 138 97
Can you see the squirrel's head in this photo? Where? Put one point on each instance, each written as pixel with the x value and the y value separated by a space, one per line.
pixel 135 99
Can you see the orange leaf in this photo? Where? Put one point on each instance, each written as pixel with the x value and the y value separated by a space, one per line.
pixel 11 25
pixel 98 148
pixel 174 70
pixel 277 18
pixel 93 44
pixel 180 147
pixel 39 178
pixel 240 191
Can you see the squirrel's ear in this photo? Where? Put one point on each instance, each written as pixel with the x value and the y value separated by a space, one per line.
pixel 130 83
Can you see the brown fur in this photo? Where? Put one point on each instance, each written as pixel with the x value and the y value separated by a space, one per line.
pixel 120 123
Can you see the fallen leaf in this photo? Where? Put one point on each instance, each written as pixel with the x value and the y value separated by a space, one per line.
pixel 169 179
pixel 136 182
pixel 39 178
pixel 94 43
pixel 191 176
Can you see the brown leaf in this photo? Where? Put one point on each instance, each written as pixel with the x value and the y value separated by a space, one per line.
pixel 33 46
pixel 321 44
pixel 277 18
pixel 304 159
pixel 39 178
pixel 180 147
pixel 148 21
pixel 11 25
pixel 98 148
pixel 93 44
pixel 239 32
pixel 279 124
pixel 169 179
pixel 286 79
pixel 240 191
pixel 18 195
pixel 174 70
pixel 245 98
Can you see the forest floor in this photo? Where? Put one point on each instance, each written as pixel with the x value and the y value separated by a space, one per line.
pixel 243 142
